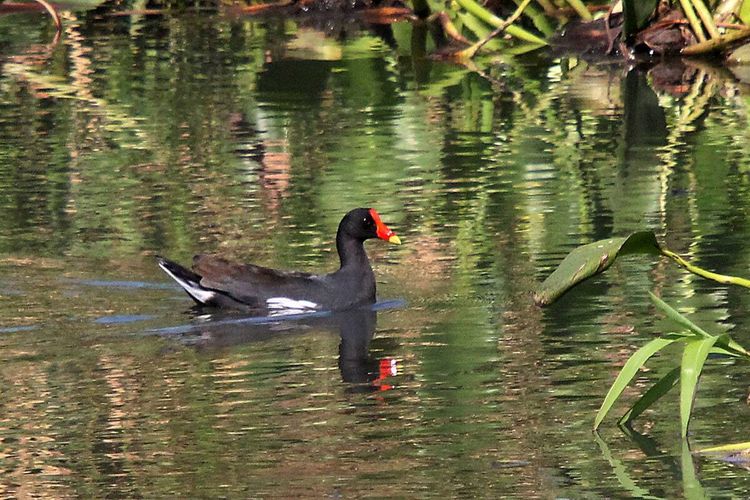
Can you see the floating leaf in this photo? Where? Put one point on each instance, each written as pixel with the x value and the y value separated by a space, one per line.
pixel 589 260
pixel 693 358
pixel 633 364
pixel 652 395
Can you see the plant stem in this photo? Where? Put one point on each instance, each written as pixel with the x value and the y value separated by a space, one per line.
pixel 687 7
pixel 549 9
pixel 472 51
pixel 721 278
pixel 580 9
pixel 707 18
pixel 52 12
pixel 715 43
pixel 488 17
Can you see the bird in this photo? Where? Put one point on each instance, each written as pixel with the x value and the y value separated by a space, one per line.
pixel 215 281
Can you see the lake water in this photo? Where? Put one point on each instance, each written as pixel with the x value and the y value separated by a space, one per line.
pixel 172 135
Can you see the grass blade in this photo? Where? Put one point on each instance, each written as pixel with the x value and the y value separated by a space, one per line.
pixel 691 485
pixel 621 472
pixel 693 358
pixel 730 347
pixel 676 316
pixel 659 389
pixel 627 373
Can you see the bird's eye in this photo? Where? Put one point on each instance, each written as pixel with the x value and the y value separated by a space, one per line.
pixel 367 221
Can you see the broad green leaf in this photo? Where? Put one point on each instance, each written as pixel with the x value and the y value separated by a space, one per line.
pixel 693 358
pixel 635 14
pixel 588 260
pixel 632 365
pixel 652 395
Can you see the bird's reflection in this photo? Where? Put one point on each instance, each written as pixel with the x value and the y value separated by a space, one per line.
pixel 356 329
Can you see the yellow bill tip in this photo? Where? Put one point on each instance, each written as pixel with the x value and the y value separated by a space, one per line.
pixel 395 240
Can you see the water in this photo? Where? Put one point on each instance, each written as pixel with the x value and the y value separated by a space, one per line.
pixel 137 136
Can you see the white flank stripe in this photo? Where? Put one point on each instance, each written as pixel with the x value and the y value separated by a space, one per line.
pixel 284 305
pixel 194 289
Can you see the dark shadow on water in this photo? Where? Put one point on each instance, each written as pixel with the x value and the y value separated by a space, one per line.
pixel 355 328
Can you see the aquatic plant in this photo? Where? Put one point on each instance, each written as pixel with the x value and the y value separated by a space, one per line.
pixel 697 345
pixel 690 28
pixel 589 260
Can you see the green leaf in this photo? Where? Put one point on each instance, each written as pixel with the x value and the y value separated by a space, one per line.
pixel 580 8
pixel 652 395
pixel 726 345
pixel 633 364
pixel 693 358
pixel 732 448
pixel 691 485
pixel 719 278
pixel 744 13
pixel 588 260
pixel 594 258
pixel 488 17
pixel 635 14
pixel 676 316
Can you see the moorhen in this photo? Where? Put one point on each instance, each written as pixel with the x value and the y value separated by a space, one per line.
pixel 217 282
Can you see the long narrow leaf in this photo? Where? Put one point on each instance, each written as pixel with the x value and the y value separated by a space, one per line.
pixel 621 472
pixel 659 389
pixel 693 358
pixel 691 485
pixel 676 316
pixel 725 342
pixel 627 373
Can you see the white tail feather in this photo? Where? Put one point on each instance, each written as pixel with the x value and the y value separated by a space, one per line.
pixel 194 289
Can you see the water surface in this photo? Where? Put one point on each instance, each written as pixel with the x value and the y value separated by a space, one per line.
pixel 172 135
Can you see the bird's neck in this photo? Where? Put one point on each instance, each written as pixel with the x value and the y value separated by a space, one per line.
pixel 351 251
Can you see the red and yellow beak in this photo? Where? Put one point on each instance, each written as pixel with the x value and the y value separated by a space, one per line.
pixel 383 231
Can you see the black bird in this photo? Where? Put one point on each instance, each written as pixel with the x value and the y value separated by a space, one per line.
pixel 215 281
